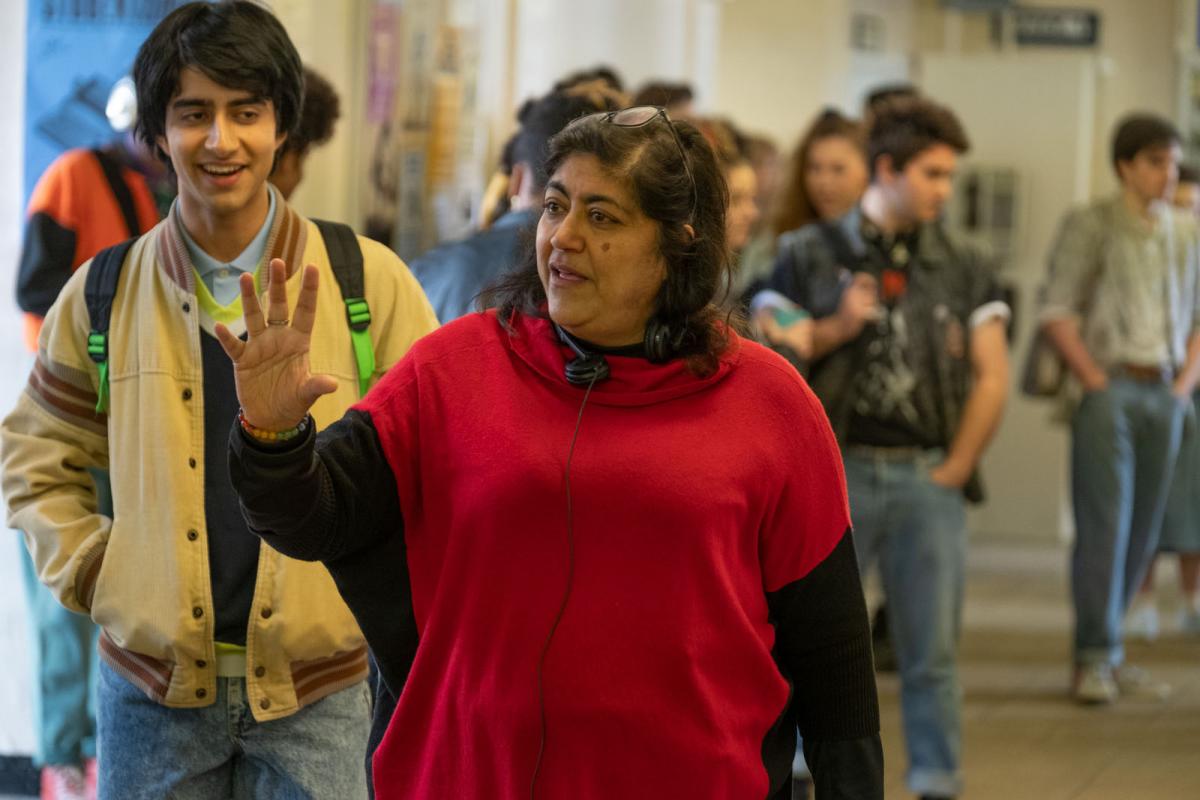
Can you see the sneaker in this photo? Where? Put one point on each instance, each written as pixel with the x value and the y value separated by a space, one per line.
pixel 1094 685
pixel 1137 682
pixel 1141 621
pixel 91 778
pixel 1189 621
pixel 63 782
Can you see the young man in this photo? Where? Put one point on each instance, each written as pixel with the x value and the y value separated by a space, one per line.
pixel 85 201
pixel 1121 308
pixel 226 669
pixel 910 361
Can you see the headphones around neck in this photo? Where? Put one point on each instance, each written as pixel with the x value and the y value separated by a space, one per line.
pixel 585 368
pixel 661 344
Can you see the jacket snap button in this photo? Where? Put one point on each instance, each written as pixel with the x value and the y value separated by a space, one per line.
pixel 264 704
pixel 260 671
pixel 266 613
pixel 193 535
pixel 201 693
pixel 187 394
pixel 192 463
pixel 197 612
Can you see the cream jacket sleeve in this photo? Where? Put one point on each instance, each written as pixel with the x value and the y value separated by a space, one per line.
pixel 48 443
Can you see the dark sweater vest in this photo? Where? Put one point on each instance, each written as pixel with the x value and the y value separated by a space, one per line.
pixel 232 549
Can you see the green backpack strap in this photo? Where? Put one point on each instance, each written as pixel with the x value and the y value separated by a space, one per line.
pixel 345 257
pixel 99 289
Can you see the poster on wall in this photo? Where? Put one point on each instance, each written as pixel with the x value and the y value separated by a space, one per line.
pixel 76 52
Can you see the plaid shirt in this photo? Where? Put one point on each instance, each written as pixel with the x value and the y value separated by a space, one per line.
pixel 1134 288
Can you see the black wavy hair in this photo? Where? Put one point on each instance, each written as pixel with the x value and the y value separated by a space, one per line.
pixel 236 43
pixel 698 267
pixel 321 110
pixel 903 126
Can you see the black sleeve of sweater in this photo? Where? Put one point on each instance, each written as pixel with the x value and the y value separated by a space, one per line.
pixel 45 266
pixel 823 642
pixel 332 498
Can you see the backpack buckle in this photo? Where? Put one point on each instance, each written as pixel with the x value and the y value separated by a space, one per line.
pixel 358 314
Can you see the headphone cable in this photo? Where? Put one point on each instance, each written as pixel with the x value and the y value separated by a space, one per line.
pixel 537 767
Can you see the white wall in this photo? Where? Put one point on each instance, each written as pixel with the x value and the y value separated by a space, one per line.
pixel 330 37
pixel 642 39
pixel 16 721
pixel 778 63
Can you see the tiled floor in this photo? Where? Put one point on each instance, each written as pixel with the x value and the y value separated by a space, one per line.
pixel 1023 736
pixel 1024 740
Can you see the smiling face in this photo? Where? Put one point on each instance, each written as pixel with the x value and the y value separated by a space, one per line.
pixel 597 255
pixel 222 144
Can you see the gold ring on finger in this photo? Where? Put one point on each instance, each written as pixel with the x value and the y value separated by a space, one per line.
pixel 277 322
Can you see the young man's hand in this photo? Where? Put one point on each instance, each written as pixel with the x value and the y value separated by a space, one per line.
pixel 859 305
pixel 950 474
pixel 271 370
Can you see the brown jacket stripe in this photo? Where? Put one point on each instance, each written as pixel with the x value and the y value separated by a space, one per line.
pixel 316 679
pixel 53 401
pixel 148 674
pixel 89 570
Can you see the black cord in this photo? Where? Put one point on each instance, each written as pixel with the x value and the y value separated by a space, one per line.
pixel 562 608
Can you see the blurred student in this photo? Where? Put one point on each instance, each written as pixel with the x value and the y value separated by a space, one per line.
pixel 1121 306
pixel 1181 520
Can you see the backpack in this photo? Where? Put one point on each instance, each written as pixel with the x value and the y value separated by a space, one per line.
pixel 345 258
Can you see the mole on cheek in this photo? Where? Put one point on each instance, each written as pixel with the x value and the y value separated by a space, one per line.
pixel 604 247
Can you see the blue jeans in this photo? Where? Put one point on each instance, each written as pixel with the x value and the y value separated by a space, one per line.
pixel 916 530
pixel 149 751
pixel 1124 441
pixel 64 654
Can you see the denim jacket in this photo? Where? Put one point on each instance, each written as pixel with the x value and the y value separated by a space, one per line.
pixel 951 289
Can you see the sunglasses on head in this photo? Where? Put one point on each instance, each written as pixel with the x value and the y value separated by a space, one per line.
pixel 638 116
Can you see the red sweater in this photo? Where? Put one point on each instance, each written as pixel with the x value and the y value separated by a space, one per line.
pixel 693 499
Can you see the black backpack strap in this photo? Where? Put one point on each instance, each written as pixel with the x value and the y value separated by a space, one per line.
pixel 99 289
pixel 346 260
pixel 120 190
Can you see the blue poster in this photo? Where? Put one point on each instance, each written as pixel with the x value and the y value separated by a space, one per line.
pixel 75 52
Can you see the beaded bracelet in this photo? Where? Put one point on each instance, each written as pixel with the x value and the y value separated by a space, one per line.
pixel 271 437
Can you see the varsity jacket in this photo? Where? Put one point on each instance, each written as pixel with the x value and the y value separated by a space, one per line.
pixel 672 615
pixel 143 575
pixel 73 215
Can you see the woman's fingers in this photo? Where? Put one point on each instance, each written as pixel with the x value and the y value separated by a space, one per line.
pixel 233 346
pixel 251 310
pixel 306 304
pixel 315 386
pixel 277 305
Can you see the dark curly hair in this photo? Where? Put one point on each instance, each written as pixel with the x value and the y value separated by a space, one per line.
pixel 1141 131
pixel 698 267
pixel 904 126
pixel 236 43
pixel 321 110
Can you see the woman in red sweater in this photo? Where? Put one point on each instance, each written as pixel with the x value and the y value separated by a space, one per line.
pixel 598 542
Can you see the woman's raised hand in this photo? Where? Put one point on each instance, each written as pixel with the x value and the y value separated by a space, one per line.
pixel 270 368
